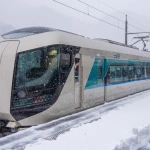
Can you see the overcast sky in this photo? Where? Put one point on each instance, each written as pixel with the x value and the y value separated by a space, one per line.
pixel 138 6
pixel 25 13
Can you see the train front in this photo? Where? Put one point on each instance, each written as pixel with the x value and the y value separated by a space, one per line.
pixel 34 67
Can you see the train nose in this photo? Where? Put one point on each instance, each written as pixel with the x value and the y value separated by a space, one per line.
pixel 8 53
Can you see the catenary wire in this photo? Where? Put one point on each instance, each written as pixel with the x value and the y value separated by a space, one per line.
pixel 87 14
pixel 100 11
pixel 109 15
pixel 122 13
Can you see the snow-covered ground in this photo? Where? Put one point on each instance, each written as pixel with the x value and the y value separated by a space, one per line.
pixel 127 127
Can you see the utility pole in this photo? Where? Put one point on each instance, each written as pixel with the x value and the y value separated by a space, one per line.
pixel 140 38
pixel 126 31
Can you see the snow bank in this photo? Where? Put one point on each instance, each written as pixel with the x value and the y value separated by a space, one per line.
pixel 140 141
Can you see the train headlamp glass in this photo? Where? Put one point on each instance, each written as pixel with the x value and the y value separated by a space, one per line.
pixel 21 94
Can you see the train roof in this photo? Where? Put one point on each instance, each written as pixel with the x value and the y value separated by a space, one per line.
pixel 24 32
pixel 117 43
pixel 43 36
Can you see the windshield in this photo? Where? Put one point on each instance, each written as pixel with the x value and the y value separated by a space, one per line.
pixel 36 67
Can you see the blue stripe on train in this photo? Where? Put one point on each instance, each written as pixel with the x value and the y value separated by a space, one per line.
pixel 93 80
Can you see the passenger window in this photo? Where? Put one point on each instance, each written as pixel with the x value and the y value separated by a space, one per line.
pixel 77 61
pixel 143 72
pixel 112 72
pixel 125 73
pixel 115 74
pixel 148 71
pixel 118 72
pixel 138 72
pixel 130 73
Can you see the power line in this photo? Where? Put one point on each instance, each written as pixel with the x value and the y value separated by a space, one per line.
pixel 138 22
pixel 108 14
pixel 96 17
pixel 100 10
pixel 111 7
pixel 87 14
pixel 121 13
pixel 135 27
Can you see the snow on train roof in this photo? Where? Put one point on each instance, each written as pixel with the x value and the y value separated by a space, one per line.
pixel 20 33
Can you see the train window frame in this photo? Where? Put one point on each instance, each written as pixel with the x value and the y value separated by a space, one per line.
pixel 30 51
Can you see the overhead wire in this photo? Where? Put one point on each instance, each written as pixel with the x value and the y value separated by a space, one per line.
pixel 100 10
pixel 87 14
pixel 111 7
pixel 108 14
pixel 138 22
pixel 122 13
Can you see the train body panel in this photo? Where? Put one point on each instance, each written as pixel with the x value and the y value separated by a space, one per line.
pixel 60 108
pixel 121 90
pixel 89 65
pixel 8 54
pixel 57 37
pixel 50 74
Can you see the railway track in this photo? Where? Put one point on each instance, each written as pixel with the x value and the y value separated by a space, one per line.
pixel 53 129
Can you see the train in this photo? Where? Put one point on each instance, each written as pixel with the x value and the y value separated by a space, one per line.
pixel 48 73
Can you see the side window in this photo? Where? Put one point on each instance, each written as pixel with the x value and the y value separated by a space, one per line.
pixel 115 73
pixel 112 72
pixel 77 61
pixel 148 71
pixel 143 72
pixel 125 73
pixel 118 72
pixel 130 73
pixel 138 72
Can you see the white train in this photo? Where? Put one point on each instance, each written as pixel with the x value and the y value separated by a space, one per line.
pixel 48 73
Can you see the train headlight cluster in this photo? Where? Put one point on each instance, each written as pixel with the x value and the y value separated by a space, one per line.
pixel 31 101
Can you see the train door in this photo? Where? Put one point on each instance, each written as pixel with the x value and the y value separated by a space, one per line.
pixel 94 73
pixel 99 90
pixel 78 77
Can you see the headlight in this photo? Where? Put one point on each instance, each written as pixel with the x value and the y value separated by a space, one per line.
pixel 21 94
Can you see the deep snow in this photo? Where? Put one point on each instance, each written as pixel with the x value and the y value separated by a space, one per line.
pixel 125 128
